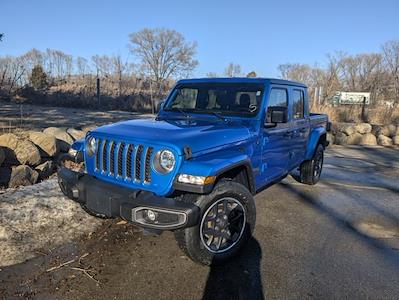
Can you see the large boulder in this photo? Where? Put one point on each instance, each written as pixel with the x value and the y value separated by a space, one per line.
pixel 384 140
pixel 347 128
pixel 76 134
pixel 88 128
pixel 363 128
pixel 354 139
pixel 368 139
pixel 389 130
pixel 340 138
pixel 395 140
pixel 2 156
pixel 330 138
pixel 27 153
pixel 19 150
pixel 9 142
pixel 22 175
pixel 63 137
pixel 46 169
pixel 46 143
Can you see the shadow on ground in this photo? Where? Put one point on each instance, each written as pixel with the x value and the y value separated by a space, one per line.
pixel 240 279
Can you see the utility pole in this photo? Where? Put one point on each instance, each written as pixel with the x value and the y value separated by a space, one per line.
pixel 151 99
pixel 98 90
pixel 315 96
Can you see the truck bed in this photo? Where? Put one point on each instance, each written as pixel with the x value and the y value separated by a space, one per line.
pixel 317 120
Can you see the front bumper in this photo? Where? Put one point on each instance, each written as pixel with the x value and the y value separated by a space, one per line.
pixel 110 200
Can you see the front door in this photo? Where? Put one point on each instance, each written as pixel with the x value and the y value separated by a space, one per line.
pixel 276 140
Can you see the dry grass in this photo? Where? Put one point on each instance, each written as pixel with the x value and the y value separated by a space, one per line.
pixel 353 113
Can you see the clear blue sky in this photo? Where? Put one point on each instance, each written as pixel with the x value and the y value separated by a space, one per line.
pixel 258 35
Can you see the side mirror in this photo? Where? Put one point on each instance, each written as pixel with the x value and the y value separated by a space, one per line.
pixel 161 104
pixel 276 115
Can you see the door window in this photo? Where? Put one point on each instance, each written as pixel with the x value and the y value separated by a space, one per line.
pixel 278 97
pixel 298 100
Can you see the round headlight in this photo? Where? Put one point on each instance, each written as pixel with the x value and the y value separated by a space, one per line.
pixel 164 161
pixel 91 146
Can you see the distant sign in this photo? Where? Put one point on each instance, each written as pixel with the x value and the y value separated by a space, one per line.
pixel 351 98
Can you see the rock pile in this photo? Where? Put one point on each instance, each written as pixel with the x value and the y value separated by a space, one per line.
pixel 28 157
pixel 364 134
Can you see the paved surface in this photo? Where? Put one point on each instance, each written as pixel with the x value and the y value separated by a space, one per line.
pixel 35 117
pixel 338 239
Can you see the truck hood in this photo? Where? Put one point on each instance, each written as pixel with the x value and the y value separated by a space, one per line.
pixel 199 135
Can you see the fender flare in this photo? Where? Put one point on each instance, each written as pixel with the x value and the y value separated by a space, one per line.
pixel 250 175
pixel 314 139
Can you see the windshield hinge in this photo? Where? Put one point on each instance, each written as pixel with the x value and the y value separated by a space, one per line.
pixel 187 152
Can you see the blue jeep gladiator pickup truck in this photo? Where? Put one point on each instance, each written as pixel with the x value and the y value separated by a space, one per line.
pixel 195 168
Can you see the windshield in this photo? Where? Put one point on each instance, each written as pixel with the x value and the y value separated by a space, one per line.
pixel 238 99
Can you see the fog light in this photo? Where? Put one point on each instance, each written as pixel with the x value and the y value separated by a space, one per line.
pixel 151 215
pixel 158 218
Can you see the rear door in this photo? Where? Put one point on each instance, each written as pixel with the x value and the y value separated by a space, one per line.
pixel 299 126
pixel 276 140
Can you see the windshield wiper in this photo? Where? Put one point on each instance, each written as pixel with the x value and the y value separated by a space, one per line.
pixel 180 110
pixel 218 115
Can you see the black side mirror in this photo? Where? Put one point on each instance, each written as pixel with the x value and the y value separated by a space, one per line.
pixel 276 115
pixel 161 104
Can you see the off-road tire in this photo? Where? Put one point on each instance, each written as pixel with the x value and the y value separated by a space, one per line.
pixel 189 239
pixel 310 170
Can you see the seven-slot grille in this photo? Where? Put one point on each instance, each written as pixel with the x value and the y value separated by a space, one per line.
pixel 124 161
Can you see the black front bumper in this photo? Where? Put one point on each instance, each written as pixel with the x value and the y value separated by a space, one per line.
pixel 110 200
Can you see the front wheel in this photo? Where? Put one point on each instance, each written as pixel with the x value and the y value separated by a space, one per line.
pixel 227 221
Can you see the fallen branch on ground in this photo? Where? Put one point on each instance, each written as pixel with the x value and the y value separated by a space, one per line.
pixel 67 263
pixel 86 272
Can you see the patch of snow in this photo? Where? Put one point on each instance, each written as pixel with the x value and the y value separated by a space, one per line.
pixel 36 219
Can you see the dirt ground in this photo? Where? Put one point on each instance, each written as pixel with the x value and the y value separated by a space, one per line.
pixel 338 239
pixel 31 117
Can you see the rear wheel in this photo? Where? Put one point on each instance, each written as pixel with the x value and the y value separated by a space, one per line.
pixel 227 221
pixel 311 169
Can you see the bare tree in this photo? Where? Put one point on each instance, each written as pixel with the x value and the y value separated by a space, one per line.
pixel 11 72
pixel 103 65
pixel 212 75
pixel 82 66
pixel 391 62
pixel 119 68
pixel 163 53
pixel 297 72
pixel 233 70
pixel 1 37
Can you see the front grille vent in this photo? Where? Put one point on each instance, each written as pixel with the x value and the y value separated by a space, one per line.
pixel 124 161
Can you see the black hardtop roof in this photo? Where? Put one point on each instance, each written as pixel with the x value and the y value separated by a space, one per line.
pixel 242 80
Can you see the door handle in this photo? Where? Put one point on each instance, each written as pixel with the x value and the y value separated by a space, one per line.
pixel 288 134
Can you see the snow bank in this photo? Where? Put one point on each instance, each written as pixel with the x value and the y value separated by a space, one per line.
pixel 36 219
